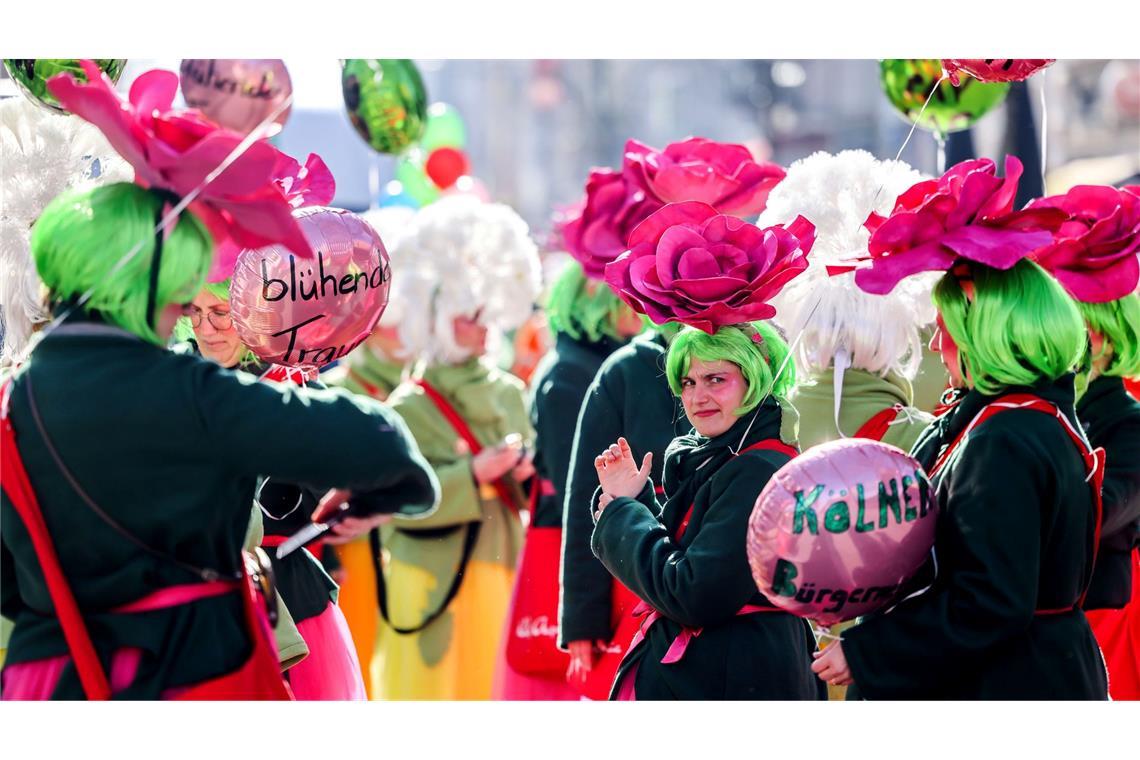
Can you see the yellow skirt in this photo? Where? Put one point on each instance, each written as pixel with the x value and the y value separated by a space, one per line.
pixel 454 657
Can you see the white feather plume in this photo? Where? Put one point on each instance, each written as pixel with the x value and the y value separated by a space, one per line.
pixel 837 193
pixel 42 155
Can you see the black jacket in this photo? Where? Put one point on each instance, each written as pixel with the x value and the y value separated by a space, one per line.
pixel 629 397
pixel 702 579
pixel 559 385
pixel 1014 537
pixel 1111 419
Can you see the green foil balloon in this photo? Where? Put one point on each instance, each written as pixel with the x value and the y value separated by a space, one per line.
pixel 908 82
pixel 410 172
pixel 445 129
pixel 31 75
pixel 386 101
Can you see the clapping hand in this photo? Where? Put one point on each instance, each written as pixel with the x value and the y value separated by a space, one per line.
pixel 618 473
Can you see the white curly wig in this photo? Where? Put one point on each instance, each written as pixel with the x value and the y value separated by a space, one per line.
pixel 879 334
pixel 392 223
pixel 460 255
pixel 42 155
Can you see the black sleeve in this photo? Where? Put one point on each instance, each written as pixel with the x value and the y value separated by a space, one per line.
pixel 584 605
pixel 555 418
pixel 709 580
pixel 988 554
pixel 322 438
pixel 1121 493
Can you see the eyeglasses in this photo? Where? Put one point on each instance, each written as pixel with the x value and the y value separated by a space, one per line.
pixel 221 320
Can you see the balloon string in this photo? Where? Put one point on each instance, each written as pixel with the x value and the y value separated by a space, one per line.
pixel 256 134
pixel 780 371
pixel 1044 133
pixel 820 633
pixel 913 126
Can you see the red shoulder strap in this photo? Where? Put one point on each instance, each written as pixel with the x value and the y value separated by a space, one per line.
pixel 769 444
pixel 772 444
pixel 1094 459
pixel 877 427
pixel 14 479
pixel 460 426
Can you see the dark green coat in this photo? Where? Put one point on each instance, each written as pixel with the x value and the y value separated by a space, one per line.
pixel 1112 421
pixel 171 447
pixel 1014 536
pixel 703 579
pixel 559 384
pixel 629 397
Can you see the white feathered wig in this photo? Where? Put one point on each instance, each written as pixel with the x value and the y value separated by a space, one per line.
pixel 42 155
pixel 841 324
pixel 460 256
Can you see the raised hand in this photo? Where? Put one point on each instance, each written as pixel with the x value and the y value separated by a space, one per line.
pixel 618 473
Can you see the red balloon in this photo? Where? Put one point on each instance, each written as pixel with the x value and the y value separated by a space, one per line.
pixel 446 165
pixel 994 69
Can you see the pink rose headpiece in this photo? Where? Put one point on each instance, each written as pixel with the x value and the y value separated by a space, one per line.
pixel 967 213
pixel 689 263
pixel 1095 253
pixel 175 150
pixel 720 174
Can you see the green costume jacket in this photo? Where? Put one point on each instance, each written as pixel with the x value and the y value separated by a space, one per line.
pixel 699 578
pixel 864 395
pixel 171 447
pixel 629 397
pixel 493 404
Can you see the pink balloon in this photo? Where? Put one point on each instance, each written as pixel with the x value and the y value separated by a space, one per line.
pixel 839 529
pixel 238 93
pixel 311 312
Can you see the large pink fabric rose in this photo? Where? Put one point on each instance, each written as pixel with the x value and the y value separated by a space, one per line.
pixel 723 175
pixel 309 185
pixel 597 232
pixel 688 263
pixel 966 213
pixel 177 150
pixel 1095 254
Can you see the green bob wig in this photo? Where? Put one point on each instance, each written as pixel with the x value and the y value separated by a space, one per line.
pixel 82 235
pixel 759 362
pixel 1020 328
pixel 1119 322
pixel 581 308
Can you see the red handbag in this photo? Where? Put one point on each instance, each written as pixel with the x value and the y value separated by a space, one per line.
pixel 532 639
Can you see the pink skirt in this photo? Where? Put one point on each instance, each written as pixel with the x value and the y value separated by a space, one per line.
pixel 332 670
pixel 36 680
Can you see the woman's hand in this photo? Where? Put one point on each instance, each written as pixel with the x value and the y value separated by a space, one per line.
pixel 525 467
pixel 349 528
pixel 618 474
pixel 494 462
pixel 582 655
pixel 831 665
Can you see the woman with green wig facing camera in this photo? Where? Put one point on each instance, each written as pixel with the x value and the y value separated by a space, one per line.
pixel 998 613
pixel 128 469
pixel 706 631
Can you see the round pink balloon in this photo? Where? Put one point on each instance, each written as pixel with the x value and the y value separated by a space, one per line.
pixel 311 312
pixel 994 69
pixel 238 93
pixel 839 529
